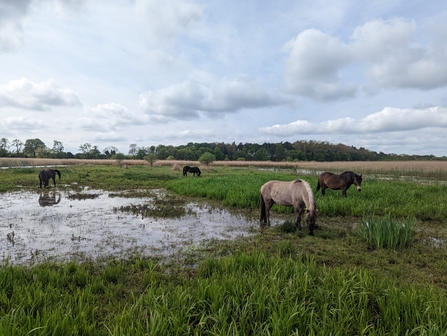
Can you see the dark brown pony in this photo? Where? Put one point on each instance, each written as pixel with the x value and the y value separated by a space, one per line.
pixel 339 182
pixel 193 170
pixel 47 174
pixel 296 193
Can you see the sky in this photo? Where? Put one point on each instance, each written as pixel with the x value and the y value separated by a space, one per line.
pixel 369 74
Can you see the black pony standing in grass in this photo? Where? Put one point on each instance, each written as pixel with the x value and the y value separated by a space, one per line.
pixel 193 170
pixel 47 174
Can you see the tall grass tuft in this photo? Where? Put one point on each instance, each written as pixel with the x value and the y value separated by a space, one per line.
pixel 384 232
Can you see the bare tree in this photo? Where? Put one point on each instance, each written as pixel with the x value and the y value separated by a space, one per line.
pixel 133 149
pixel 18 144
pixel 58 149
pixel 85 149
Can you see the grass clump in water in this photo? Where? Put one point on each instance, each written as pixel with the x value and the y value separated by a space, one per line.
pixel 385 232
pixel 170 207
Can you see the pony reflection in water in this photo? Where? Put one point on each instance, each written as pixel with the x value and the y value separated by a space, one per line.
pixel 49 198
pixel 296 193
pixel 47 174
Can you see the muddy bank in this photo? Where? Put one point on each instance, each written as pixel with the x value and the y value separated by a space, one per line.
pixel 66 225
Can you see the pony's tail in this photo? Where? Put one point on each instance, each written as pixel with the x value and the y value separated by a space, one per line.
pixel 58 173
pixel 318 185
pixel 263 216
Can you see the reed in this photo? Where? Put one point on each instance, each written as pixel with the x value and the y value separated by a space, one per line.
pixel 398 168
pixel 385 232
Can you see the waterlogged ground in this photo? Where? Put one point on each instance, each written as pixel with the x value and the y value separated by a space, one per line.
pixel 68 225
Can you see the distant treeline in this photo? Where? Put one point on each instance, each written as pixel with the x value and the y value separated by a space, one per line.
pixel 303 150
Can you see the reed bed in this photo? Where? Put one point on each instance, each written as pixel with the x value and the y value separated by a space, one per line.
pixel 361 166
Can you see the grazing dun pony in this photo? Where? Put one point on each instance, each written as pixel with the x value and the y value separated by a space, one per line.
pixel 296 193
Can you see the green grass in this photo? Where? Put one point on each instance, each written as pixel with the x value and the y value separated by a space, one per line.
pixel 240 188
pixel 384 232
pixel 244 294
pixel 279 281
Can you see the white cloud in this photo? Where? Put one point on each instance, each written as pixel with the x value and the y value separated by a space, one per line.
pixel 314 64
pixel 187 100
pixel 167 19
pixel 184 135
pixel 22 124
pixel 377 40
pixel 12 13
pixel 387 120
pixel 387 50
pixel 23 93
pixel 394 58
pixel 177 62
pixel 109 117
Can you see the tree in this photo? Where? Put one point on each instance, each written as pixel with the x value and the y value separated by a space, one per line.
pixel 218 153
pixel 18 144
pixel 151 158
pixel 119 157
pixel 261 155
pixel 109 151
pixel 142 152
pixel 133 149
pixel 4 146
pixel 31 146
pixel 58 149
pixel 207 158
pixel 85 149
pixel 43 152
pixel 94 153
pixel 279 152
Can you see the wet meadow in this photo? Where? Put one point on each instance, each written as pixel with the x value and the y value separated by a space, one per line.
pixel 273 280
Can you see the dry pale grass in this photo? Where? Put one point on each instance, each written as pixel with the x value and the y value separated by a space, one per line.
pixel 338 166
pixel 176 167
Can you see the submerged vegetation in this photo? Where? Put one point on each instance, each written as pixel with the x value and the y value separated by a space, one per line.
pixel 159 207
pixel 277 282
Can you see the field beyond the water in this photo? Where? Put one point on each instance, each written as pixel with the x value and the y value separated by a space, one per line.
pixel 278 281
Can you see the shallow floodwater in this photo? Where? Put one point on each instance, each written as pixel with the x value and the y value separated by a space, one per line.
pixel 49 225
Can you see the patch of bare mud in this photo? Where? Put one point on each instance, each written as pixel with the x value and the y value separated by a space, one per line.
pixel 63 225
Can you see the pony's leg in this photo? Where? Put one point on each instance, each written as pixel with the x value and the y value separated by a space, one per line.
pixel 54 181
pixel 40 182
pixel 323 189
pixel 298 218
pixel 262 219
pixel 343 192
pixel 267 212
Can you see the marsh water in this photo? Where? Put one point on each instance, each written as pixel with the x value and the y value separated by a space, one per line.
pixel 61 225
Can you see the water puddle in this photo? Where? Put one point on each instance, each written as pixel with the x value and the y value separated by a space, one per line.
pixel 64 225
